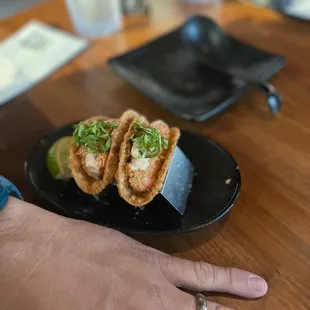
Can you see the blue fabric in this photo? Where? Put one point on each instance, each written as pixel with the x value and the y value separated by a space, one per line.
pixel 7 189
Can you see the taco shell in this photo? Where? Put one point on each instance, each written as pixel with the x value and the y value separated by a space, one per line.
pixel 122 179
pixel 85 182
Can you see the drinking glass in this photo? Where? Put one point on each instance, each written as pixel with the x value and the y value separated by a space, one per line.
pixel 94 18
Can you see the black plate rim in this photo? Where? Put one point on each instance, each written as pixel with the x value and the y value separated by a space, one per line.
pixel 189 229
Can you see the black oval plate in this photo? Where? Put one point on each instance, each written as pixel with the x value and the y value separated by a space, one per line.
pixel 215 189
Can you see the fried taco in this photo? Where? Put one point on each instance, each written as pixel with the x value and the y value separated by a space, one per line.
pixel 94 153
pixel 145 157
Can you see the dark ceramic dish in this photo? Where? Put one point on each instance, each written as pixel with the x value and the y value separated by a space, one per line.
pixel 215 189
pixel 167 71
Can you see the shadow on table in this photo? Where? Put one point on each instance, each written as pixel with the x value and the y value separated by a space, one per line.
pixel 184 242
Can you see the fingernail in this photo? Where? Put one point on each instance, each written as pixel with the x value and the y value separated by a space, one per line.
pixel 257 283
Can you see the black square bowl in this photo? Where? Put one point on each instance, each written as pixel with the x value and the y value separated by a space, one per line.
pixel 167 71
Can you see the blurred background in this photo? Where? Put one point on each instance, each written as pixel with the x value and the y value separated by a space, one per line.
pixel 298 8
pixel 11 7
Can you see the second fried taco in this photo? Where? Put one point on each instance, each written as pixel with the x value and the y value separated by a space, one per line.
pixel 145 157
pixel 94 152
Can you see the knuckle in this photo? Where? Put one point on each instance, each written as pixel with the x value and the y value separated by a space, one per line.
pixel 150 256
pixel 167 263
pixel 205 273
pixel 230 277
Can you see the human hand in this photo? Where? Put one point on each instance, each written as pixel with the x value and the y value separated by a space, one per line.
pixel 50 262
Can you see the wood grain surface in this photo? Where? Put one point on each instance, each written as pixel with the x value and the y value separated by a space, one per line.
pixel 268 231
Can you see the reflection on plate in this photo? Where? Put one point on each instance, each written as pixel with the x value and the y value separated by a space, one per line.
pixel 215 189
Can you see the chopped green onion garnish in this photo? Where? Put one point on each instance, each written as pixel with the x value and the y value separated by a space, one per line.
pixel 94 135
pixel 148 140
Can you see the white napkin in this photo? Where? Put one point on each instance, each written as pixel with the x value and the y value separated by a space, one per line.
pixel 31 54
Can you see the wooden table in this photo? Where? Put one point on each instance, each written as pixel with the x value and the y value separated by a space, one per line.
pixel 268 231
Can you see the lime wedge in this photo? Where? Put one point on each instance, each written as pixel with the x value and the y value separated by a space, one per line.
pixel 58 159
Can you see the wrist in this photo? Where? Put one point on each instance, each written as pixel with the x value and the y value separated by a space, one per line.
pixel 16 220
pixel 9 208
pixel 11 218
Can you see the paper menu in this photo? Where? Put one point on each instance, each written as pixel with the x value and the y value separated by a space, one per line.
pixel 33 53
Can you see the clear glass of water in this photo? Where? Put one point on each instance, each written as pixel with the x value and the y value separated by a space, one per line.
pixel 95 18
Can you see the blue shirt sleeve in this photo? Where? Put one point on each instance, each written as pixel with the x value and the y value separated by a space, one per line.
pixel 7 189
